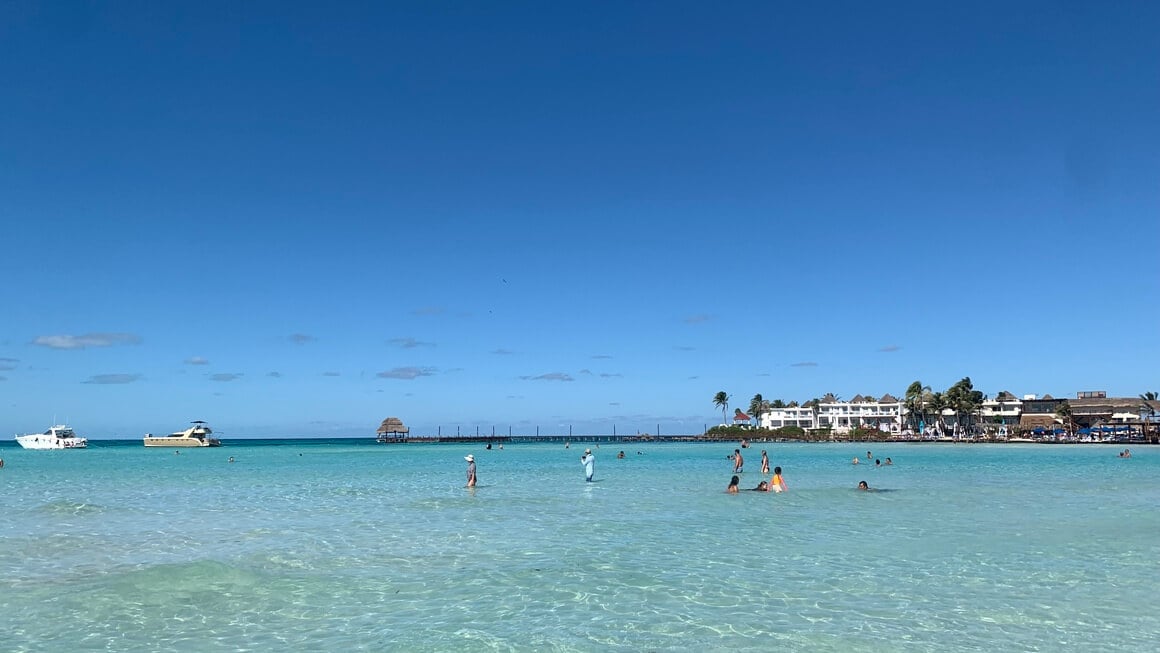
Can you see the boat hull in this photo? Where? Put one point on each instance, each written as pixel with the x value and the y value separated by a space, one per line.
pixel 181 442
pixel 45 442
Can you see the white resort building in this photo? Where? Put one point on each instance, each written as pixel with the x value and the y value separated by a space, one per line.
pixel 999 414
pixel 887 414
pixel 800 416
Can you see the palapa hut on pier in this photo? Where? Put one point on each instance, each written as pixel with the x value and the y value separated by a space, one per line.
pixel 392 430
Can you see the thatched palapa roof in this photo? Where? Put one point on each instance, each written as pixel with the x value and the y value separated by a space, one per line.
pixel 392 425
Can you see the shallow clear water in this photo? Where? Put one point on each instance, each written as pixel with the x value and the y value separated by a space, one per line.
pixel 356 546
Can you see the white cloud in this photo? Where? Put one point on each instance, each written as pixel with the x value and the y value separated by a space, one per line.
pixel 697 319
pixel 551 376
pixel 804 364
pixel 112 379
pixel 301 338
pixel 502 352
pixel 275 375
pixel 8 363
pixel 197 360
pixel 409 343
pixel 87 340
pixel 889 348
pixel 225 377
pixel 407 373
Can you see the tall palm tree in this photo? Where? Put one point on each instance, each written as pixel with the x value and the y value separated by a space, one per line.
pixel 1148 407
pixel 914 402
pixel 1063 412
pixel 721 400
pixel 964 399
pixel 758 406
pixel 937 402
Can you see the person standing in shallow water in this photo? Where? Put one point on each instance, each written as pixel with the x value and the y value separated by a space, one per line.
pixel 589 462
pixel 471 479
pixel 777 483
pixel 764 462
pixel 738 461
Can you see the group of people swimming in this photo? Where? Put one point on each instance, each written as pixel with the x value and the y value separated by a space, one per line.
pixel 774 484
pixel 877 462
pixel 777 483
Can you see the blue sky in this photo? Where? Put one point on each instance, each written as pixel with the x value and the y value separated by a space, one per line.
pixel 298 219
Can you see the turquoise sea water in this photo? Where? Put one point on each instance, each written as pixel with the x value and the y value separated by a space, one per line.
pixel 356 546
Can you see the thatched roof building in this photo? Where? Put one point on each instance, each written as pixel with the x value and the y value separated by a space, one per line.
pixel 392 425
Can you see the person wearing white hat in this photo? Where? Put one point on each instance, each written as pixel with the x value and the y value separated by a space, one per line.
pixel 589 462
pixel 470 470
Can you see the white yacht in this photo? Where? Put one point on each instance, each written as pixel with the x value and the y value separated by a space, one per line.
pixel 57 437
pixel 197 435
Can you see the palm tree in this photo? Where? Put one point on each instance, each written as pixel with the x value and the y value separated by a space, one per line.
pixel 937 402
pixel 964 399
pixel 721 400
pixel 914 403
pixel 758 406
pixel 1148 407
pixel 1063 412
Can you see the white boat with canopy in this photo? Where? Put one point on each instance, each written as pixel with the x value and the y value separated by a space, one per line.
pixel 57 437
pixel 197 435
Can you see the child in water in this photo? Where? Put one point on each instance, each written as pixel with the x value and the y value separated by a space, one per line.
pixel 777 483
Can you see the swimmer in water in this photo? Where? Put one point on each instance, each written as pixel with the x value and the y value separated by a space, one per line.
pixel 764 462
pixel 733 482
pixel 856 461
pixel 761 487
pixel 862 485
pixel 738 461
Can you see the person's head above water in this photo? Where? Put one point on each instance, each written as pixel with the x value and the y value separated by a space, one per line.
pixel 777 470
pixel 862 485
